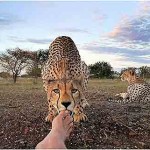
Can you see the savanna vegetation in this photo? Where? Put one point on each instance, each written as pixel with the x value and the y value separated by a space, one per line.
pixel 23 106
pixel 13 61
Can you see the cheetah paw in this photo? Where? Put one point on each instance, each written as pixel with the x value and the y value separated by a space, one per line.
pixel 80 117
pixel 49 118
pixel 117 95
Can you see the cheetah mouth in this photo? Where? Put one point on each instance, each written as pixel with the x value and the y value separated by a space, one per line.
pixel 71 112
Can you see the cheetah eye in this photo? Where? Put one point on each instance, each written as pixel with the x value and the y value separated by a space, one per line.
pixel 56 91
pixel 74 90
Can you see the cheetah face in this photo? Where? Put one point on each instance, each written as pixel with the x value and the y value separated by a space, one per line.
pixel 126 75
pixel 64 94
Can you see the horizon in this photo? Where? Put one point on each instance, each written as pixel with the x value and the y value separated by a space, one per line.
pixel 114 32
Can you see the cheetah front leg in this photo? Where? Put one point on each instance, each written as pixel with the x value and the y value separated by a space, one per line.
pixel 78 111
pixel 123 95
pixel 52 113
pixel 122 98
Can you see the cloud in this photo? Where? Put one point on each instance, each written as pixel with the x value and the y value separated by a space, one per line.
pixel 118 50
pixel 118 53
pixel 146 57
pixel 72 30
pixel 39 41
pixel 144 6
pixel 128 44
pixel 8 19
pixel 31 40
pixel 134 28
pixel 117 61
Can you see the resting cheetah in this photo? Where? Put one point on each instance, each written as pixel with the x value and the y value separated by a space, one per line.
pixel 137 91
pixel 65 79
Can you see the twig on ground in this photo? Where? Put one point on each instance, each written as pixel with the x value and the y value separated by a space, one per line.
pixel 118 121
pixel 7 106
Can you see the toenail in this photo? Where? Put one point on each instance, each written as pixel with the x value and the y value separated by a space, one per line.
pixel 66 111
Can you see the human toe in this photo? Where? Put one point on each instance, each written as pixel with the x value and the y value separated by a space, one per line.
pixel 68 119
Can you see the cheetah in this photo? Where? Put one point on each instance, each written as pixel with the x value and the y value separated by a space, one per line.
pixel 138 90
pixel 65 79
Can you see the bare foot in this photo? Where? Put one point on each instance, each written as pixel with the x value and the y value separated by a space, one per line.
pixel 61 129
pixel 62 125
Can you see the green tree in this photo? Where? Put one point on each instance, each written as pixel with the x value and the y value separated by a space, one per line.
pixel 101 70
pixel 42 55
pixel 144 71
pixel 34 72
pixel 37 59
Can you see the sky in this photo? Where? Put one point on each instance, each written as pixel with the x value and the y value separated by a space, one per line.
pixel 117 32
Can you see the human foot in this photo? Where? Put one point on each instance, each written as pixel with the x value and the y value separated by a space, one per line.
pixel 61 128
pixel 62 125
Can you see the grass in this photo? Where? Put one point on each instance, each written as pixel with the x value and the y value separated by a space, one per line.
pixel 21 84
pixel 109 86
pixel 23 107
pixel 27 83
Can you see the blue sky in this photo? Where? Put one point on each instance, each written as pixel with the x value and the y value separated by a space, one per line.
pixel 116 32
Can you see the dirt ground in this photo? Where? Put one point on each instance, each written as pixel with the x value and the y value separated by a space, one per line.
pixel 23 108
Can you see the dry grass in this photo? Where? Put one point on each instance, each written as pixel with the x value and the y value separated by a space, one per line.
pixel 23 108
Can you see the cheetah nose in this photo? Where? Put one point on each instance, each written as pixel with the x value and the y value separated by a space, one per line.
pixel 66 104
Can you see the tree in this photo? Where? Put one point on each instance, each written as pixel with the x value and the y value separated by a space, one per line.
pixel 14 61
pixel 144 71
pixel 101 70
pixel 34 72
pixel 116 74
pixel 37 59
pixel 42 56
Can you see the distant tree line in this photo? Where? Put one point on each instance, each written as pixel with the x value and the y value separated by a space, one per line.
pixel 143 71
pixel 13 61
pixel 105 70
